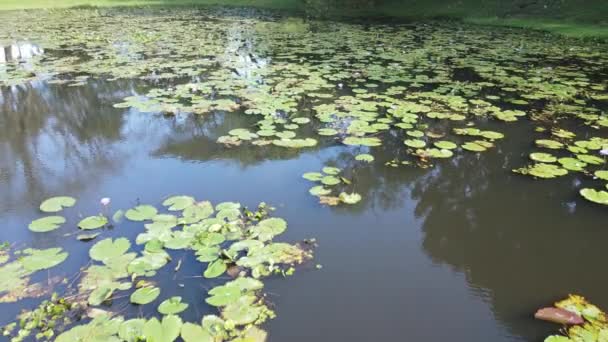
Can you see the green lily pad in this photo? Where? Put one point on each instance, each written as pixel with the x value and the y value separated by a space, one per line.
pixel 93 222
pixel 543 157
pixel 331 170
pixel 141 213
pixel 551 144
pixel 473 147
pixel 415 143
pixel 330 180
pixel 368 158
pixel 109 249
pixel 319 190
pixel 223 295
pixel 215 269
pixel 195 333
pixel 177 203
pixel 145 295
pixel 572 164
pixel 55 204
pixel 601 174
pixel 46 224
pixel 168 330
pixel 313 176
pixel 351 198
pixel 172 306
pixel 40 259
pixel 447 145
pixel 589 159
pixel 600 197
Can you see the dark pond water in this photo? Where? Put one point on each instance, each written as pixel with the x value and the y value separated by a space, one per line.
pixel 465 251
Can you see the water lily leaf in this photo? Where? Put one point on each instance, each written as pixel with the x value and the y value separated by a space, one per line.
pixel 415 143
pixel 313 176
pixel 447 145
pixel 601 174
pixel 166 331
pixel 208 254
pixel 131 330
pixel 589 159
pixel 93 222
pixel 267 229
pixel 572 164
pixel 327 131
pixel 330 180
pixel 319 190
pixel 600 197
pixel 543 157
pixel 145 295
pixel 100 329
pixel 243 311
pixel 41 259
pixel 141 213
pixel 364 157
pixel 109 249
pixel 195 333
pixel 55 204
pixel 215 269
pixel 352 198
pixel 228 206
pixel 223 295
pixel 172 305
pixel 551 144
pixel 331 170
pixel 473 147
pixel 354 141
pixel 46 224
pixel 118 215
pixel 177 203
pixel 87 237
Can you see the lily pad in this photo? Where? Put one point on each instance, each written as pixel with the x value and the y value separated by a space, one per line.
pixel 596 196
pixel 351 198
pixel 313 176
pixel 46 224
pixel 109 249
pixel 145 295
pixel 172 306
pixel 55 204
pixel 215 269
pixel 141 213
pixel 543 157
pixel 93 222
pixel 177 203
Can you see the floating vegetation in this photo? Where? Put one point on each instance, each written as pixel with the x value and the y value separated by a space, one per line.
pixel 227 238
pixel 303 86
pixel 331 182
pixel 583 320
pixel 15 275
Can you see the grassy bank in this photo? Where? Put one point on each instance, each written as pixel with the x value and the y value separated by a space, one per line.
pixel 575 18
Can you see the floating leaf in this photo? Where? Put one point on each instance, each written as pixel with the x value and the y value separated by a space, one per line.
pixel 141 213
pixel 176 203
pixel 319 190
pixel 215 269
pixel 87 237
pixel 543 157
pixel 600 197
pixel 195 333
pixel 46 224
pixel 313 176
pixel 40 259
pixel 168 330
pixel 352 198
pixel 93 222
pixel 108 249
pixel 172 305
pixel 365 158
pixel 330 180
pixel 55 204
pixel 145 295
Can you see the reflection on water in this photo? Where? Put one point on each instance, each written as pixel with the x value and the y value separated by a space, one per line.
pixel 19 51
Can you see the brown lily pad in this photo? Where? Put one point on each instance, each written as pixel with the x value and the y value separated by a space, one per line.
pixel 559 316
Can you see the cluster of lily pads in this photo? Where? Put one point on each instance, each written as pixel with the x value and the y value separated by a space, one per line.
pixel 306 82
pixel 229 240
pixel 583 321
pixel 330 179
pixel 563 154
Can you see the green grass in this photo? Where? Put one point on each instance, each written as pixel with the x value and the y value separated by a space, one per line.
pixel 575 18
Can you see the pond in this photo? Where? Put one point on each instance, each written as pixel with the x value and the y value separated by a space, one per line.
pixel 438 180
